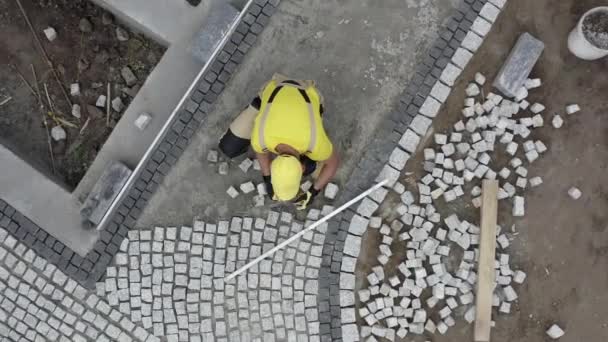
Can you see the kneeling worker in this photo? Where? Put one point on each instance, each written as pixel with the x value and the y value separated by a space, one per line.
pixel 284 126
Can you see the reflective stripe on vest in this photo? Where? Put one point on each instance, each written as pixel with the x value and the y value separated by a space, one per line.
pixel 311 116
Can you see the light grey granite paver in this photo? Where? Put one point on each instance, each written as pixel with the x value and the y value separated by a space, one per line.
pixel 173 279
pixel 51 306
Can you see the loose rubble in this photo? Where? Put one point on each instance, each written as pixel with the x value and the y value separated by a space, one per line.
pixel 101 101
pixel 574 193
pixel 557 121
pixel 121 34
pixel 571 109
pixel 306 185
pixel 223 168
pixel 128 76
pixel 131 91
pixel 555 332
pixel 259 190
pixel 258 200
pixel 117 104
pixel 245 164
pixel 532 83
pixel 74 89
pixel 107 18
pixel 50 33
pixel 212 156
pixel 83 64
pixel 536 181
pixel 331 190
pixel 391 305
pixel 76 111
pixel 142 121
pixel 247 187
pixel 85 25
pixel 58 133
pixel 232 192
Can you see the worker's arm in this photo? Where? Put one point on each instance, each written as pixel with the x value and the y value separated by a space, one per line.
pixel 330 167
pixel 328 171
pixel 264 159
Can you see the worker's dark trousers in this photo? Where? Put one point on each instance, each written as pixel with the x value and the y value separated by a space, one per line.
pixel 237 139
pixel 233 146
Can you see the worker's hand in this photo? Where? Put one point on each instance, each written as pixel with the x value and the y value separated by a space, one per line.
pixel 306 198
pixel 269 188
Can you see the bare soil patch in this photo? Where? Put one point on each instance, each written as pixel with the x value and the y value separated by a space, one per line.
pixel 92 58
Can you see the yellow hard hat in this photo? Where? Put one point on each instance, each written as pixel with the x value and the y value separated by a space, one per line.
pixel 286 174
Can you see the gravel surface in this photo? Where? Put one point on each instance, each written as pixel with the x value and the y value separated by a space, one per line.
pixel 595 29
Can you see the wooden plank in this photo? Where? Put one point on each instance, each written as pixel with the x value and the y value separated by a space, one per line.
pixel 485 268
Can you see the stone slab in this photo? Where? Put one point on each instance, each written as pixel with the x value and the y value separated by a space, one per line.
pixel 105 191
pixel 220 17
pixel 519 64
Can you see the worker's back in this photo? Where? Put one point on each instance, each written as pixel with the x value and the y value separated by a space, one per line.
pixel 291 115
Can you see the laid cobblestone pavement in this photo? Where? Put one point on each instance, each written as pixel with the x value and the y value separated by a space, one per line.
pixel 171 280
pixel 40 303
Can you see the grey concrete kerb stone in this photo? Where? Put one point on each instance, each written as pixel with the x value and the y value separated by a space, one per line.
pixel 407 144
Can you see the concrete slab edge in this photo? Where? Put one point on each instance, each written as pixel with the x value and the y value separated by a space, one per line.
pixel 419 104
pixel 87 270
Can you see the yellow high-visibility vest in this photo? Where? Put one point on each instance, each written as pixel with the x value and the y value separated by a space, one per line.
pixel 290 114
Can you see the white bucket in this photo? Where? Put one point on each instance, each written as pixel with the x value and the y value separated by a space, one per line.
pixel 579 45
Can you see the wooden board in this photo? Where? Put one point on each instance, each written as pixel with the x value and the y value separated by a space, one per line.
pixel 485 268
